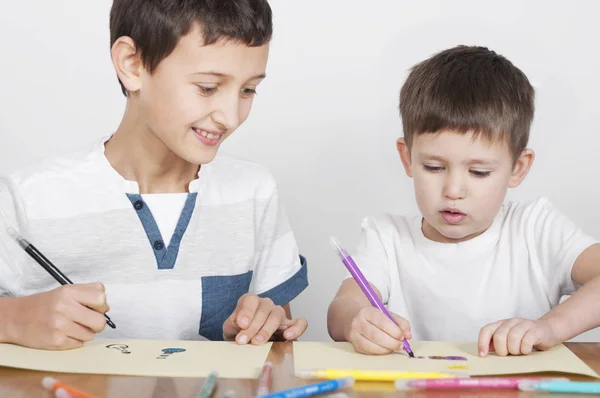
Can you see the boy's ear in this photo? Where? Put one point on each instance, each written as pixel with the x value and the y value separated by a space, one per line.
pixel 127 63
pixel 521 168
pixel 404 152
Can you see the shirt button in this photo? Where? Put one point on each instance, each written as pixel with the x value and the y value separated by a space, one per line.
pixel 158 245
pixel 138 205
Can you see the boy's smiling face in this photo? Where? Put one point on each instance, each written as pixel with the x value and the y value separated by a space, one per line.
pixel 460 181
pixel 198 95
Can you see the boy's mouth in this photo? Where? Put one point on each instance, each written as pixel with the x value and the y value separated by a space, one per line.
pixel 209 138
pixel 453 216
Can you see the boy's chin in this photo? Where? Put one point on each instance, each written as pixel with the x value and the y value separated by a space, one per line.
pixel 197 156
pixel 457 234
pixel 453 233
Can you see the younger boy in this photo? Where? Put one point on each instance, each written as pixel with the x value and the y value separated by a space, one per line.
pixel 186 247
pixel 470 267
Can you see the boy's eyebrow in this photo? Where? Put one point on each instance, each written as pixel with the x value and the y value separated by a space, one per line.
pixel 432 157
pixel 218 74
pixel 482 161
pixel 469 161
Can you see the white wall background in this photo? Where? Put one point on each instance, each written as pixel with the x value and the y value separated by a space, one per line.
pixel 326 119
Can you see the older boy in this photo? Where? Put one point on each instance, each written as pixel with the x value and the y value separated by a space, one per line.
pixel 186 247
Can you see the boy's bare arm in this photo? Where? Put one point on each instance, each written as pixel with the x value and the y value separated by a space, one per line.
pixel 347 303
pixel 581 312
pixel 576 315
pixel 5 309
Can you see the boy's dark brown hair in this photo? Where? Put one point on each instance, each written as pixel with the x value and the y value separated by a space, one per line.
pixel 468 89
pixel 157 25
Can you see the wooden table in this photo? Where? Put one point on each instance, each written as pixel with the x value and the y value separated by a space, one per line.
pixel 16 383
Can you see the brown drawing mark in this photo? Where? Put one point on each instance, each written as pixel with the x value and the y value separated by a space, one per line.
pixel 121 347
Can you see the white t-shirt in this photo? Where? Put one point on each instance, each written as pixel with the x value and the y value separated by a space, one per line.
pixel 174 266
pixel 519 267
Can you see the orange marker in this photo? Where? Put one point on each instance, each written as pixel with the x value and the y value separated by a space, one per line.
pixel 61 388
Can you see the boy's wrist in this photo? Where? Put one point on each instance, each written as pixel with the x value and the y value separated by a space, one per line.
pixel 7 319
pixel 558 327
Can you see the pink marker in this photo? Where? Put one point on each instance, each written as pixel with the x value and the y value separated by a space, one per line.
pixel 264 380
pixel 481 383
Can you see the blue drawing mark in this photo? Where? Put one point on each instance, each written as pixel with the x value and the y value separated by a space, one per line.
pixel 169 351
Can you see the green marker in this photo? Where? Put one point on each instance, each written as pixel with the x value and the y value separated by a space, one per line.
pixel 209 385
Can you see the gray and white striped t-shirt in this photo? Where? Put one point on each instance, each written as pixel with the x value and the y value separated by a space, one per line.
pixel 232 237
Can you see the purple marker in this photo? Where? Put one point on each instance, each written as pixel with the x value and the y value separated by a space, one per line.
pixel 366 287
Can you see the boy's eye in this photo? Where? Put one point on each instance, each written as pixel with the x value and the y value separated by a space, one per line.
pixel 206 90
pixel 248 92
pixel 433 169
pixel 480 174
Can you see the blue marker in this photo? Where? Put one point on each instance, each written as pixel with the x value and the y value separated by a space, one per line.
pixel 577 387
pixel 313 389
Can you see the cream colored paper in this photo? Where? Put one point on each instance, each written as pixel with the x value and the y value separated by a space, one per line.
pixel 342 356
pixel 145 358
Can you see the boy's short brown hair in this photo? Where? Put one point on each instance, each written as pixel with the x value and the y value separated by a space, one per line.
pixel 157 25
pixel 468 89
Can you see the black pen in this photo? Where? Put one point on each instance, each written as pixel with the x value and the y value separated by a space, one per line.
pixel 46 264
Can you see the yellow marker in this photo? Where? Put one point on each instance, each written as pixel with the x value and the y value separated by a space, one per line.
pixel 373 375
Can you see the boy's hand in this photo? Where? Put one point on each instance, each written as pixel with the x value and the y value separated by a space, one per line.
pixel 516 336
pixel 374 333
pixel 257 319
pixel 59 319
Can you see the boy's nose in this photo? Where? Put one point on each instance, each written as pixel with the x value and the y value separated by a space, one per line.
pixel 227 113
pixel 454 188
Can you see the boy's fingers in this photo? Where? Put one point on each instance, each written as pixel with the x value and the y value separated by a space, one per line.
pixel 79 332
pixel 365 346
pixel 232 318
pixel 92 285
pixel 529 341
pixel 247 306
pixel 286 323
pixel 270 326
pixel 92 298
pixel 99 286
pixel 88 318
pixel 500 344
pixel 382 322
pixel 69 344
pixel 67 334
pixel 485 338
pixel 296 330
pixel 515 337
pixel 500 337
pixel 380 337
pixel 229 328
pixel 256 321
pixel 404 325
